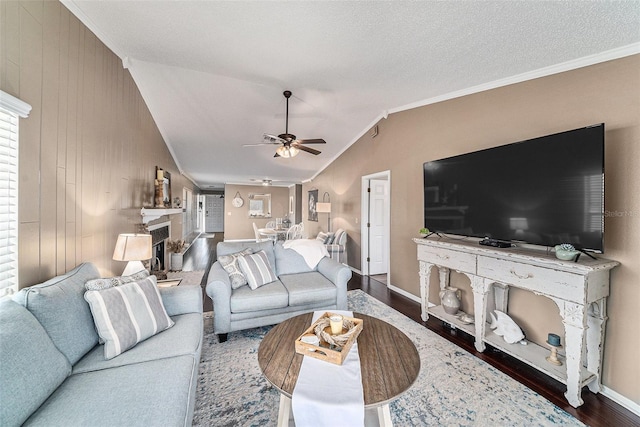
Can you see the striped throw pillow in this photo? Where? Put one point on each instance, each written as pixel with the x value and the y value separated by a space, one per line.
pixel 127 314
pixel 256 269
pixel 323 237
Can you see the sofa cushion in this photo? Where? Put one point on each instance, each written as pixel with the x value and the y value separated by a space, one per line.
pixel 256 269
pixel 183 338
pixel 128 314
pixel 155 393
pixel 31 367
pixel 309 288
pixel 288 261
pixel 271 295
pixel 231 266
pixel 59 306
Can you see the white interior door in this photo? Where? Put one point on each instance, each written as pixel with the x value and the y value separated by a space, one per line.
pixel 214 214
pixel 378 226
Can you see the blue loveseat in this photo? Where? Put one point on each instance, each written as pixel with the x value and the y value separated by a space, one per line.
pixel 299 289
pixel 53 371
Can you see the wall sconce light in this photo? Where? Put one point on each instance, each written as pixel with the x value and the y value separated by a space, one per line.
pixel 325 207
pixel 133 248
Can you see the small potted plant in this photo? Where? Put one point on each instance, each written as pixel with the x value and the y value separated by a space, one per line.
pixel 424 232
pixel 176 247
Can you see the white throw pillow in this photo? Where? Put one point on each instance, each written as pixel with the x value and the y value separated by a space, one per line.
pixel 127 314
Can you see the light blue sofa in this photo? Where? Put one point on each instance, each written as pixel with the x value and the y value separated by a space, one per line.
pixel 299 289
pixel 53 371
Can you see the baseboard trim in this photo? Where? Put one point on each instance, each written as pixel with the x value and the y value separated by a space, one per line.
pixel 355 270
pixel 621 400
pixel 404 293
pixel 239 240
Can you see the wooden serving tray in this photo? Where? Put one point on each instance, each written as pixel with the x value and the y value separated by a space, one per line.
pixel 322 351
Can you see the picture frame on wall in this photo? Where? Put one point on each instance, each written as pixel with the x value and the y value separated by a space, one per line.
pixel 313 200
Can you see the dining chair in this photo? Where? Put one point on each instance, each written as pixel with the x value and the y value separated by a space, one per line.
pixel 292 232
pixel 259 237
pixel 270 224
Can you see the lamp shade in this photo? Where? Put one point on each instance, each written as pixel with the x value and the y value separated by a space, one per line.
pixel 323 207
pixel 132 247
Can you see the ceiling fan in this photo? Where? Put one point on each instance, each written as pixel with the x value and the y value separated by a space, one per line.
pixel 265 182
pixel 290 146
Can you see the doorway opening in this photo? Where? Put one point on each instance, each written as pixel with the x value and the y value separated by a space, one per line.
pixel 376 225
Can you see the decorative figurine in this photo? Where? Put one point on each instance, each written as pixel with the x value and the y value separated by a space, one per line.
pixel 506 327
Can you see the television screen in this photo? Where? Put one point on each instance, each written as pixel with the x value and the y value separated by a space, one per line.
pixel 543 191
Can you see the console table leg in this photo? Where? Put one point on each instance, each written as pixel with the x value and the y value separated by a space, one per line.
pixel 574 320
pixel 480 288
pixel 425 275
pixel 284 411
pixel 596 320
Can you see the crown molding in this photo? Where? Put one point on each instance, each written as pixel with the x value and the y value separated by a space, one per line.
pixel 585 61
pixel 609 55
pixel 101 35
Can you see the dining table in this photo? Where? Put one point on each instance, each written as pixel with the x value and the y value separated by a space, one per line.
pixel 274 234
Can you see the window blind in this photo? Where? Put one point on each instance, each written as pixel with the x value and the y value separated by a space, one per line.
pixel 8 202
pixel 10 110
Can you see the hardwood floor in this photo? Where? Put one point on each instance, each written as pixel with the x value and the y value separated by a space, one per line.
pixel 597 411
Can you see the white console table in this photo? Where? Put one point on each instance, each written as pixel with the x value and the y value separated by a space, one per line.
pixel 579 289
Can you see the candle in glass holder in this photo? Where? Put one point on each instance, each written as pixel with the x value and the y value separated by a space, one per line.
pixel 336 324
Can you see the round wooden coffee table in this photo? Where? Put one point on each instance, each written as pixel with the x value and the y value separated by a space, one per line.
pixel 389 362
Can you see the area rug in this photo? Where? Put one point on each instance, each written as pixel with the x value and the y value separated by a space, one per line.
pixel 453 388
pixel 189 278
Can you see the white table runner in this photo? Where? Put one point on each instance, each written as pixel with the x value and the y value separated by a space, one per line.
pixel 327 394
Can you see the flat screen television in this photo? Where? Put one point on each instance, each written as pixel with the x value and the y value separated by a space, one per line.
pixel 543 191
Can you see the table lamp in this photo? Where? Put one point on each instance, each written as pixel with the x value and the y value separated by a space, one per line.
pixel 133 248
pixel 325 207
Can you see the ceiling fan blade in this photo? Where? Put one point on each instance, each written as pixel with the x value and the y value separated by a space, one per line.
pixel 307 149
pixel 276 155
pixel 272 139
pixel 311 141
pixel 257 145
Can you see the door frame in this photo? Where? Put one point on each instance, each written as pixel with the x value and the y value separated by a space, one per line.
pixel 364 232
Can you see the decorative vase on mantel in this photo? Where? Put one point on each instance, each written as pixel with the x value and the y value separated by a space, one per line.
pixel 450 299
pixel 176 261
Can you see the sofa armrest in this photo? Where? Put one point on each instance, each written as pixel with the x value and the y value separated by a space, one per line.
pixel 181 299
pixel 339 274
pixel 219 290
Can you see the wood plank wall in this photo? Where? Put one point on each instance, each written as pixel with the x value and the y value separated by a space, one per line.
pixel 89 148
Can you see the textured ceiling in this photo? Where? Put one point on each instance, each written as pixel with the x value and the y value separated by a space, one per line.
pixel 212 73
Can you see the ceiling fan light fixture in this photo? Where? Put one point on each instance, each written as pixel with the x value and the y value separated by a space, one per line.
pixel 287 151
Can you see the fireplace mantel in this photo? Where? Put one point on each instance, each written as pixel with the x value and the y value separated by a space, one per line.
pixel 151 214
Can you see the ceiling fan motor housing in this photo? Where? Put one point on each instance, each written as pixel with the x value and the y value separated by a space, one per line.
pixel 287 137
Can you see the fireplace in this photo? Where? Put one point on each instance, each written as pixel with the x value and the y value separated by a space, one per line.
pixel 159 235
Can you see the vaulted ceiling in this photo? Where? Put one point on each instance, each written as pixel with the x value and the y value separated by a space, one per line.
pixel 212 73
